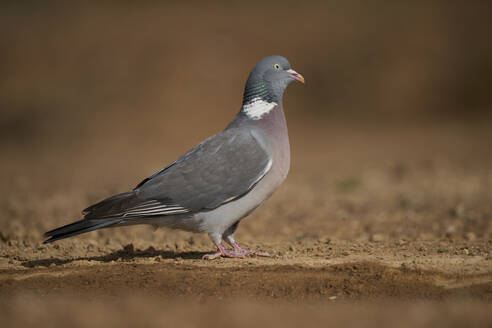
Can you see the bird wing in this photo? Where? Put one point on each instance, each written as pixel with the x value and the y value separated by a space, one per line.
pixel 221 169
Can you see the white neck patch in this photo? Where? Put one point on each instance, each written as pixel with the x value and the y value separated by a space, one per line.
pixel 258 107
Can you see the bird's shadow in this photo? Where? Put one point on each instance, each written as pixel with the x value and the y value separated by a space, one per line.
pixel 127 253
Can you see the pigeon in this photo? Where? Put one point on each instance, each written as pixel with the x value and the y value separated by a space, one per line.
pixel 216 184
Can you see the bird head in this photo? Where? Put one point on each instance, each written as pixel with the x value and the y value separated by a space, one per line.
pixel 269 79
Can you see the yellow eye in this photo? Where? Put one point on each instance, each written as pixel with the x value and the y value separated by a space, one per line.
pixel 276 66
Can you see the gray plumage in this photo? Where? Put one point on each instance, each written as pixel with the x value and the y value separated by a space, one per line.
pixel 218 182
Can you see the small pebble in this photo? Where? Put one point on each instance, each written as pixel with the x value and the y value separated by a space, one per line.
pixel 470 236
pixel 378 237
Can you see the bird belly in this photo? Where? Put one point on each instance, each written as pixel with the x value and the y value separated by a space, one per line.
pixel 221 218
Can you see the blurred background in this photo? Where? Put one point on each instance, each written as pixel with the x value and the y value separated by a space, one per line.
pixel 389 194
pixel 392 125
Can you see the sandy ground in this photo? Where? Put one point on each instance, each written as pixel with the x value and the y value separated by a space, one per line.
pixel 404 230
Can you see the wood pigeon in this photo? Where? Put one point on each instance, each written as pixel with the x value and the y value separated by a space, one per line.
pixel 217 183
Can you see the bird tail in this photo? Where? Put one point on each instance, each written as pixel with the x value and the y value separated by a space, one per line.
pixel 78 227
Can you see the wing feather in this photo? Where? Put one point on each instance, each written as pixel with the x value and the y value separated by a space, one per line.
pixel 221 169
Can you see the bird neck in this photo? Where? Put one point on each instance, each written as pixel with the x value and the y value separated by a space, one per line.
pixel 259 99
pixel 265 121
pixel 258 89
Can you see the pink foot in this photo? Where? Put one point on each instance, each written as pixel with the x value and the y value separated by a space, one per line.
pixel 247 252
pixel 222 251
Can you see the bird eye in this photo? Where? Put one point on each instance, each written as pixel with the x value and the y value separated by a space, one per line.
pixel 276 66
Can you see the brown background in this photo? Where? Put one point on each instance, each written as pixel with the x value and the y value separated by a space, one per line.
pixel 390 136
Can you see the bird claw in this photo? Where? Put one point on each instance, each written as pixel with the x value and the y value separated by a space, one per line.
pixel 223 253
pixel 248 252
pixel 211 256
pixel 261 253
pixel 238 252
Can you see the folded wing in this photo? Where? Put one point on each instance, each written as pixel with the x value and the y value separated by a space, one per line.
pixel 221 169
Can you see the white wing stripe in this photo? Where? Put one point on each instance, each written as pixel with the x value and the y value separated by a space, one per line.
pixel 146 204
pixel 159 207
pixel 170 209
pixel 156 210
pixel 155 214
pixel 265 171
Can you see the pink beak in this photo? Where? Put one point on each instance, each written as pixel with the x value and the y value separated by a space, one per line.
pixel 296 75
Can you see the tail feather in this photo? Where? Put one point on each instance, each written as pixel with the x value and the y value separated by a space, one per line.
pixel 78 227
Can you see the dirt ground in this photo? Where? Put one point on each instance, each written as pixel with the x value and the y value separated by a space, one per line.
pixel 385 219
pixel 400 238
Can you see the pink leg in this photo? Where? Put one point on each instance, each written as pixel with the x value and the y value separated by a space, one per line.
pixel 246 252
pixel 223 251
